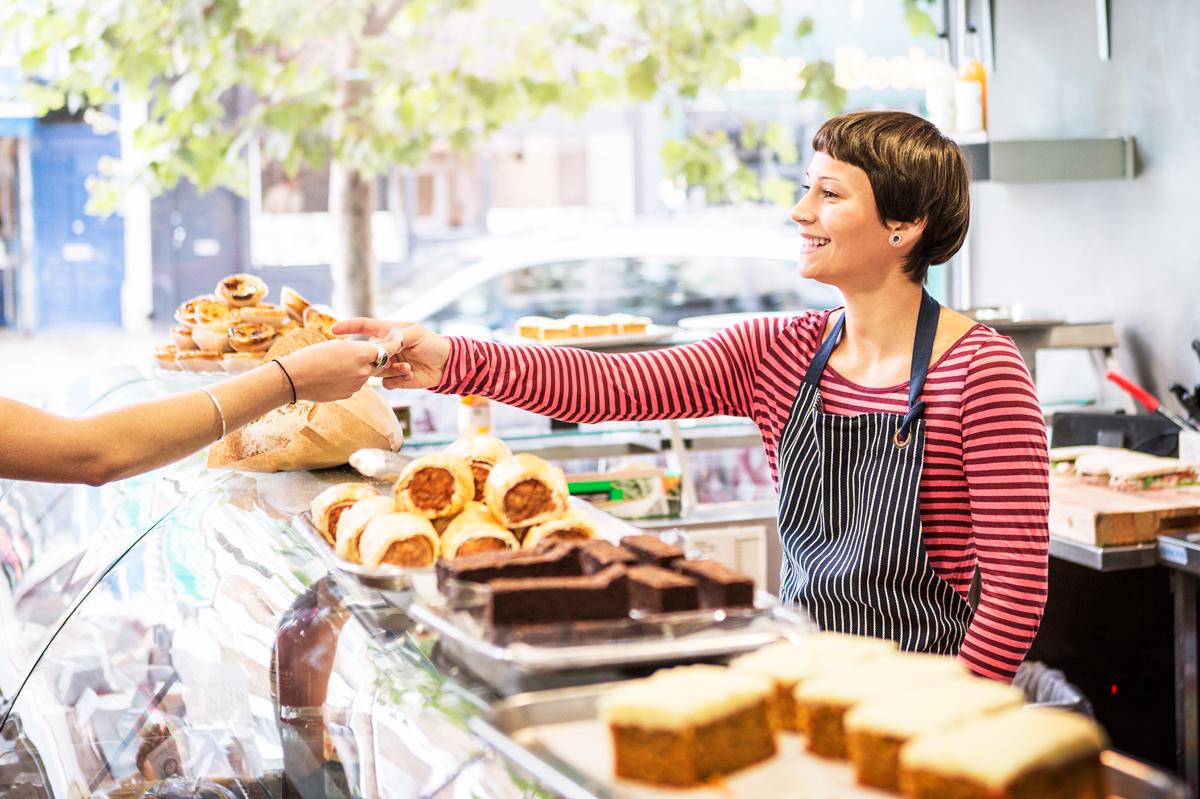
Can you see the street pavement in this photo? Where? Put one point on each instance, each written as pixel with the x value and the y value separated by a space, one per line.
pixel 41 369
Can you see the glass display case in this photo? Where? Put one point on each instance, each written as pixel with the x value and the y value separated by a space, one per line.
pixel 215 657
pixel 54 539
pixel 203 649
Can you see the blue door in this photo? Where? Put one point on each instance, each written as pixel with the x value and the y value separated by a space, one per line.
pixel 79 258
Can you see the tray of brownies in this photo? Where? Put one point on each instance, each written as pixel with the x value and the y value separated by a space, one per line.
pixel 586 604
pixel 825 716
pixel 528 576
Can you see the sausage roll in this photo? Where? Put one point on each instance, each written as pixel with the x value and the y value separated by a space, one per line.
pixel 352 523
pixel 473 531
pixel 525 490
pixel 570 527
pixel 296 305
pixel 328 506
pixel 398 539
pixel 251 337
pixel 434 486
pixel 265 314
pixel 481 453
pixel 241 289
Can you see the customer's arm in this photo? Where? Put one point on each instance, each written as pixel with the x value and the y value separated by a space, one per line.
pixel 36 445
pixel 716 376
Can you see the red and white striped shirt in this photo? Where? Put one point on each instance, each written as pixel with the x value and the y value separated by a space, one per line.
pixel 984 490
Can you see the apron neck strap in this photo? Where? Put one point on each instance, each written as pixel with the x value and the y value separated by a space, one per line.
pixel 927 322
pixel 817 366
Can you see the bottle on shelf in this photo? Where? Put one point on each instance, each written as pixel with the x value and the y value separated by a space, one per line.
pixel 305 645
pixel 474 415
pixel 939 88
pixel 970 90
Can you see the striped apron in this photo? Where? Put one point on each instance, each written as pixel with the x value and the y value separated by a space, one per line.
pixel 849 516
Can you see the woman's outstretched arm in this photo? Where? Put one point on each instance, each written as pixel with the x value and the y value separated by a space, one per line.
pixel 36 445
pixel 712 377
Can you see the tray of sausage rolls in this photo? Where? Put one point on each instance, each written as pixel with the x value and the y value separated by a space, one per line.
pixel 388 533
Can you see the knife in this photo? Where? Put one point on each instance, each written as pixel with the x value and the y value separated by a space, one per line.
pixel 1149 401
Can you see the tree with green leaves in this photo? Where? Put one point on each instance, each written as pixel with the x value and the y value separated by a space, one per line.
pixel 361 86
pixel 709 159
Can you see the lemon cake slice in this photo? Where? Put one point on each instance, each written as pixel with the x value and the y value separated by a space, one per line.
pixel 1026 753
pixel 822 702
pixel 687 725
pixel 788 664
pixel 877 728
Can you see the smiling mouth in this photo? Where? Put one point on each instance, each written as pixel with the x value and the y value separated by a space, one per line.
pixel 813 243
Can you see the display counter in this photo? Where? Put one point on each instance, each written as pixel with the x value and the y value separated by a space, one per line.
pixel 54 539
pixel 183 625
pixel 218 648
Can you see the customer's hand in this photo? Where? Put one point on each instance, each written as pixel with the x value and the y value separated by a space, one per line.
pixel 422 356
pixel 334 370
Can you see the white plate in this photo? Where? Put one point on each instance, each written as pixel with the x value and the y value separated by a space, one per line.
pixel 652 335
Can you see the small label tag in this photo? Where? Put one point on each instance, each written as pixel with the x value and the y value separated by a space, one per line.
pixel 1172 553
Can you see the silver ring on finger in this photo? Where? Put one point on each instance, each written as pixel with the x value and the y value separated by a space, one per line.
pixel 382 357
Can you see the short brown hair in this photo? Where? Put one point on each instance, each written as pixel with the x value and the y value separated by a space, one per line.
pixel 915 172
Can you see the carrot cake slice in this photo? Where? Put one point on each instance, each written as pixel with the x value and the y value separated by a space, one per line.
pixel 687 725
pixel 822 702
pixel 788 664
pixel 1014 754
pixel 877 728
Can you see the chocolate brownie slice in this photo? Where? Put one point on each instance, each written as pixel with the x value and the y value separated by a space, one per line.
pixel 719 586
pixel 547 600
pixel 656 590
pixel 597 555
pixel 560 560
pixel 652 550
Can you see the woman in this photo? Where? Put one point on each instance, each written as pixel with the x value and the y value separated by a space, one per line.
pixel 906 441
pixel 36 445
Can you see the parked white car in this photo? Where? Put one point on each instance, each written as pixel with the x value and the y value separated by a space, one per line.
pixel 664 270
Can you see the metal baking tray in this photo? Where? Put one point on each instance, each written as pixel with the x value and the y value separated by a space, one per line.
pixel 558 738
pixel 393 580
pixel 650 639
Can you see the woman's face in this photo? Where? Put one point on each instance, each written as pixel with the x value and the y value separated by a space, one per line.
pixel 844 243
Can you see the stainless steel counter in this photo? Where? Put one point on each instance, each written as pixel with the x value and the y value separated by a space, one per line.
pixel 1104 559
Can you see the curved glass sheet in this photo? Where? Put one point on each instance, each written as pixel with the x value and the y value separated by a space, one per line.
pixel 55 538
pixel 216 658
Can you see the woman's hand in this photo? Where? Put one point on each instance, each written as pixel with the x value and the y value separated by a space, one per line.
pixel 334 370
pixel 421 358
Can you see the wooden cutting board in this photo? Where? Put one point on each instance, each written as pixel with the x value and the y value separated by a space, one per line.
pixel 1101 516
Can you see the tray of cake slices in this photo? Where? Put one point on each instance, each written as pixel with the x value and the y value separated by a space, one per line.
pixel 828 716
pixel 588 331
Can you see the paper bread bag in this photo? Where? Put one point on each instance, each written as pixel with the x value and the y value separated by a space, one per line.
pixel 308 435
